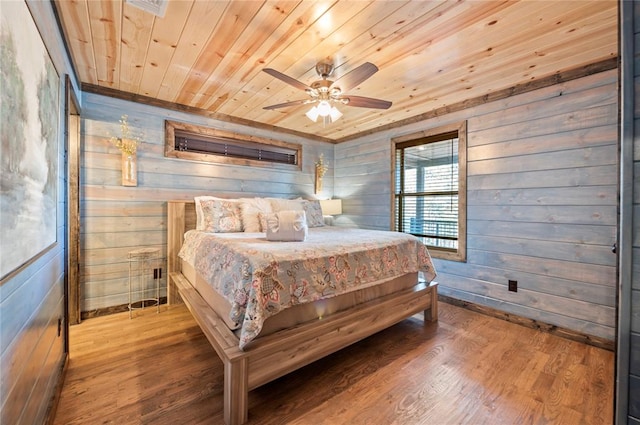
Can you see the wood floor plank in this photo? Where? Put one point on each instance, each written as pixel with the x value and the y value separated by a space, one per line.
pixel 467 368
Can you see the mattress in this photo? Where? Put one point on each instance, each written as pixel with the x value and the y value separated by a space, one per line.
pixel 300 313
pixel 255 279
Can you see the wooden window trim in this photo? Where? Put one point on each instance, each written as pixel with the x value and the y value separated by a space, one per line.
pixel 419 138
pixel 171 152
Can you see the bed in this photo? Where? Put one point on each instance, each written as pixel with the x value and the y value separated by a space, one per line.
pixel 291 338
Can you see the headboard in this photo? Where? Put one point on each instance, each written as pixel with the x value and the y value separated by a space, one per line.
pixel 181 216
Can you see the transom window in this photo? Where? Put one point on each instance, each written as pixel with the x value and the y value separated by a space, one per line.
pixel 193 142
pixel 430 189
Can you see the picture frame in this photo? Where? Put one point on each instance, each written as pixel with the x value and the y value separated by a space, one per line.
pixel 29 146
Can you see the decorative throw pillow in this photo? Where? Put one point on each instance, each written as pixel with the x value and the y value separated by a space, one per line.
pixel 250 209
pixel 313 210
pixel 262 218
pixel 221 216
pixel 286 226
pixel 199 215
pixel 279 204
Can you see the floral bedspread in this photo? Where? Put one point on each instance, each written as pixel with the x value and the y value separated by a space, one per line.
pixel 260 278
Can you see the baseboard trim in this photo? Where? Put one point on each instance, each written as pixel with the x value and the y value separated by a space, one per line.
pixel 112 310
pixel 52 408
pixel 531 323
pixel 489 311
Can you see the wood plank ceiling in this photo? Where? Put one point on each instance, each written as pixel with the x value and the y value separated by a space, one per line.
pixel 210 54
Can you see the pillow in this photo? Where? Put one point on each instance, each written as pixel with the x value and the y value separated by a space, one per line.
pixel 250 210
pixel 286 226
pixel 221 216
pixel 262 218
pixel 313 211
pixel 199 216
pixel 280 204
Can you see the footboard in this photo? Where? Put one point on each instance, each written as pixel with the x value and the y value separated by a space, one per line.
pixel 275 355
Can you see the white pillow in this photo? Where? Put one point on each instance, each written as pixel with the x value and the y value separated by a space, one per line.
pixel 250 210
pixel 280 204
pixel 312 209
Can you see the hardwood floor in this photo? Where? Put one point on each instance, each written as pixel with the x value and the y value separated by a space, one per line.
pixel 467 368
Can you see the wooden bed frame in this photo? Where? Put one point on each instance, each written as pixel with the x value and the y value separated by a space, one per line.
pixel 275 355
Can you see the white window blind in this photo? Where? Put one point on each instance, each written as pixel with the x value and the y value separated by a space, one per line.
pixel 426 195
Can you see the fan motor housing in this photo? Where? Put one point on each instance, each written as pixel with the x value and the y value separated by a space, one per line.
pixel 324 69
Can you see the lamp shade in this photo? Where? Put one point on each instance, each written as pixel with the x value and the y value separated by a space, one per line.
pixel 331 206
pixel 335 114
pixel 324 108
pixel 312 114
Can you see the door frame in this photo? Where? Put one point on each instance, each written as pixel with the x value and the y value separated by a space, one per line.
pixel 625 218
pixel 72 175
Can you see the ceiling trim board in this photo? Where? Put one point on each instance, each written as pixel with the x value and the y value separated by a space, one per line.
pixel 557 78
pixel 150 101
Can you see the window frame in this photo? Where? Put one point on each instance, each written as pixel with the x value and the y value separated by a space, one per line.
pixel 242 139
pixel 429 136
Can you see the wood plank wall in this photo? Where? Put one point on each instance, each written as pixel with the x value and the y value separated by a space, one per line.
pixel 634 347
pixel 32 299
pixel 542 187
pixel 116 219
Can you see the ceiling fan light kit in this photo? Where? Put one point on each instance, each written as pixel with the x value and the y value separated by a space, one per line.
pixel 325 110
pixel 326 93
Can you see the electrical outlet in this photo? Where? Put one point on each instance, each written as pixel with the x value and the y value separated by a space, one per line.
pixel 513 285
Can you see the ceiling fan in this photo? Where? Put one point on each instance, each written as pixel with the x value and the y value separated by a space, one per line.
pixel 326 93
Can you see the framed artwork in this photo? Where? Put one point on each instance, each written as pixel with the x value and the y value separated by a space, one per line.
pixel 30 103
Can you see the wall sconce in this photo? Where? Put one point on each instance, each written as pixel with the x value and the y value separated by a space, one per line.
pixel 330 207
pixel 128 143
pixel 321 169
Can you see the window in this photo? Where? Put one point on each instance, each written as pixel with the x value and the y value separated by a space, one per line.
pixel 430 189
pixel 193 142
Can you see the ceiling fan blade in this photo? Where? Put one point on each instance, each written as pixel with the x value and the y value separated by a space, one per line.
pixel 366 102
pixel 291 81
pixel 292 103
pixel 356 76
